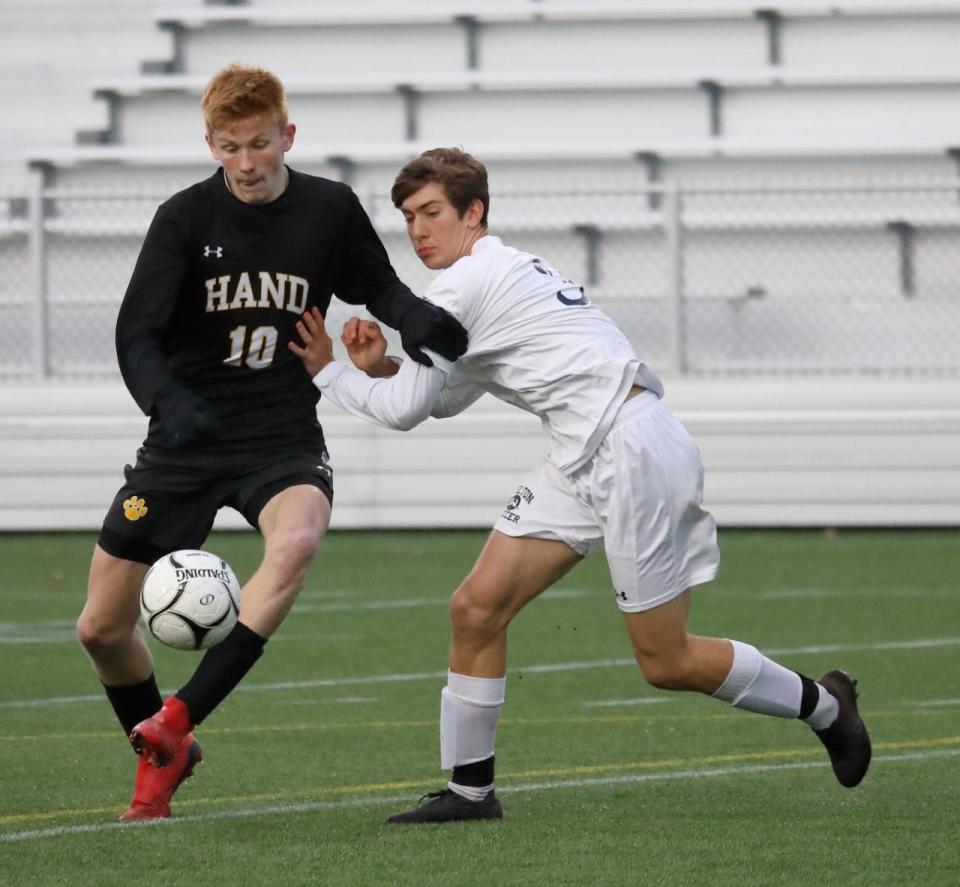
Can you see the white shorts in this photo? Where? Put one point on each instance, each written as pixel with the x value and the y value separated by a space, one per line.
pixel 640 496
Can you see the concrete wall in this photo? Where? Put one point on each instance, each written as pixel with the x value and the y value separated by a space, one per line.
pixel 796 452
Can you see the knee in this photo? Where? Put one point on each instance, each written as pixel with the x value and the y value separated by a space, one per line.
pixel 294 550
pixel 665 670
pixel 662 676
pixel 471 615
pixel 98 635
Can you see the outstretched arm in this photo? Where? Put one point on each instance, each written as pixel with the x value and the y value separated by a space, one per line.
pixel 400 402
pixel 367 348
pixel 456 396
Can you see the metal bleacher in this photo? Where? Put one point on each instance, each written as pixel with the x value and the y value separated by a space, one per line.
pixel 596 106
pixel 672 90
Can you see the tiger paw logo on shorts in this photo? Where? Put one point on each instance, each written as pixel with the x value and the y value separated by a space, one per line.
pixel 134 508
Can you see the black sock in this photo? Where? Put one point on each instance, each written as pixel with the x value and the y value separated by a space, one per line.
pixel 476 775
pixel 220 670
pixel 809 698
pixel 134 702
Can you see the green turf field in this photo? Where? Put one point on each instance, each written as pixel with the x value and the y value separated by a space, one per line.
pixel 604 780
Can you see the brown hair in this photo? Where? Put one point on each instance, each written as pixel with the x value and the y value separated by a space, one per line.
pixel 238 92
pixel 462 177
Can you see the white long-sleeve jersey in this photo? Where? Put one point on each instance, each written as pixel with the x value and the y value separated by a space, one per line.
pixel 535 342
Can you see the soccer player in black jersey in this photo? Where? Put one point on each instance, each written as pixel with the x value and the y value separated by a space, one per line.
pixel 226 269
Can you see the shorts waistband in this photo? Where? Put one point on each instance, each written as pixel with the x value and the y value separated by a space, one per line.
pixel 639 403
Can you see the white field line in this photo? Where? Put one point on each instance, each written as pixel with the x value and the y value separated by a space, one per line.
pixel 335 593
pixel 47 631
pixel 285 637
pixel 793 592
pixel 803 593
pixel 616 703
pixel 315 638
pixel 920 644
pixel 433 601
pixel 372 801
pixel 14 627
pixel 69 636
pixel 51 700
pixel 403 677
pixel 344 700
pixel 351 606
pixel 61 631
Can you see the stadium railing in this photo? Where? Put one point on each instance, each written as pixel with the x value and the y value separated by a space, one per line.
pixel 763 278
pixel 536 10
pixel 576 149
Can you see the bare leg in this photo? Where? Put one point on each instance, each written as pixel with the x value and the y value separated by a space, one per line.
pixel 508 574
pixel 292 523
pixel 672 659
pixel 107 627
pixel 739 674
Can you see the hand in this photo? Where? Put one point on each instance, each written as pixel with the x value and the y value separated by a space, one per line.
pixel 317 349
pixel 367 347
pixel 185 418
pixel 432 327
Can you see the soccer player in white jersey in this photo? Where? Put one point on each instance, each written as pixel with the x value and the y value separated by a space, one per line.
pixel 621 472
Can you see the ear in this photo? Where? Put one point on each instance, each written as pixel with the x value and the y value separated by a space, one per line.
pixel 289 131
pixel 210 145
pixel 474 213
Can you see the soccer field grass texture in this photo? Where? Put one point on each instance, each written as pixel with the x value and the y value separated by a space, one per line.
pixel 604 780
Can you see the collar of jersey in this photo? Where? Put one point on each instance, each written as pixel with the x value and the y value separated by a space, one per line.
pixel 488 241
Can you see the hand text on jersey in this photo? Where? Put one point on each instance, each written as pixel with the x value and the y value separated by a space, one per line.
pixel 232 292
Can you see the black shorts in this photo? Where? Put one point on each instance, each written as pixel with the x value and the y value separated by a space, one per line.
pixel 169 500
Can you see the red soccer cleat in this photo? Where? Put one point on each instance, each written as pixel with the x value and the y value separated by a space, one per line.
pixel 159 737
pixel 154 786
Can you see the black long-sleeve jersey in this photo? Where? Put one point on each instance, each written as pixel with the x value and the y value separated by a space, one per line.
pixel 216 293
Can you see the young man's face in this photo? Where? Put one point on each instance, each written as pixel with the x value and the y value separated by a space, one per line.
pixel 251 152
pixel 438 234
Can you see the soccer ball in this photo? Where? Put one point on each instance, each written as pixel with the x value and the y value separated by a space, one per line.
pixel 190 599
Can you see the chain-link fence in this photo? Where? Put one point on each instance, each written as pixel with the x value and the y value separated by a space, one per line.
pixel 854 278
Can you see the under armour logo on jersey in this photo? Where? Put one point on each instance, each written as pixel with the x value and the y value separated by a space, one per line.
pixel 213 251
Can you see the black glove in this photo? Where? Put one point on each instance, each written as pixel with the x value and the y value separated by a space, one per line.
pixel 426 325
pixel 185 418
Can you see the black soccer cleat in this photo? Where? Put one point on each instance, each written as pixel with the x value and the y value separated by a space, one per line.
pixel 448 806
pixel 846 739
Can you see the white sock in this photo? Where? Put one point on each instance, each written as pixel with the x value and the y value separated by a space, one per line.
pixel 825 712
pixel 756 683
pixel 469 713
pixel 469 792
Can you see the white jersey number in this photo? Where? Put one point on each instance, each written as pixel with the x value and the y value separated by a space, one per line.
pixel 258 352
